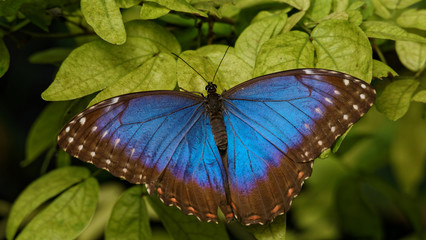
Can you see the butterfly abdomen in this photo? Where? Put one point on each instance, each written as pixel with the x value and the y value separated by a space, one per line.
pixel 217 123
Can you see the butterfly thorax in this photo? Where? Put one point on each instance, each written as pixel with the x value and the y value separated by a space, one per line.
pixel 214 106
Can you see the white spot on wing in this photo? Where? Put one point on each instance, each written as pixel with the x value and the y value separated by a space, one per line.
pixel 92 154
pixel 105 133
pixel 363 86
pixel 70 139
pixel 94 128
pixel 362 96
pixel 355 107
pixel 80 147
pixel 125 170
pixel 67 129
pixel 333 129
pixel 318 110
pixel 336 92
pixel 328 100
pixel 308 71
pixel 114 100
pixel 320 142
pixel 108 161
pixel 345 117
pixel 82 120
pixel 346 82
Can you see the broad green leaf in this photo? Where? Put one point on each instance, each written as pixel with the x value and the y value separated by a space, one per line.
pixel 412 18
pixel 179 6
pixel 381 69
pixel 40 191
pixel 96 65
pixel 67 215
pixel 340 5
pixel 50 56
pixel 255 35
pixel 286 51
pixel 157 73
pixel 227 75
pixel 9 8
pixel 293 20
pixel 195 79
pixel 386 30
pixel 342 46
pixel 299 4
pixel 105 18
pixel 181 226
pixel 154 32
pixel 420 96
pixel 381 10
pixel 151 10
pixel 319 9
pixel 355 17
pixel 408 151
pixel 129 218
pixel 4 59
pixel 398 4
pixel 44 131
pixel 396 98
pixel 127 3
pixel 272 231
pixel 411 54
pixel 208 6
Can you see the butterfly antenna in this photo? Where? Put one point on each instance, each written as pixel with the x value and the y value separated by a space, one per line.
pixel 190 66
pixel 220 63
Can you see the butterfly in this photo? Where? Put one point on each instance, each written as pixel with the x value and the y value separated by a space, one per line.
pixel 246 151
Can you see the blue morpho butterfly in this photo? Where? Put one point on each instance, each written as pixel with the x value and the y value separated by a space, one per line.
pixel 246 151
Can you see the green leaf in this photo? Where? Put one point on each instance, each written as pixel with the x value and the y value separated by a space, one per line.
pixel 293 20
pixel 381 10
pixel 226 76
pixel 154 32
pixel 50 56
pixel 181 226
pixel 286 51
pixel 179 6
pixel 299 4
pixel 9 8
pixel 255 35
pixel 395 99
pixel 408 151
pixel 5 59
pixel 272 231
pixel 67 215
pixel 411 54
pixel 420 96
pixel 39 192
pixel 412 18
pixel 151 10
pixel 129 218
pixel 319 9
pixel 381 69
pixel 157 73
pixel 343 46
pixel 386 30
pixel 96 65
pixel 105 18
pixel 127 3
pixel 398 4
pixel 36 12
pixel 44 130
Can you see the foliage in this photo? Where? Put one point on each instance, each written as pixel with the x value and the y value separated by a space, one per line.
pixel 127 46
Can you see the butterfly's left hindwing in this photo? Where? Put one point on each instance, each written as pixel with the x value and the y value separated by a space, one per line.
pixel 160 138
pixel 277 125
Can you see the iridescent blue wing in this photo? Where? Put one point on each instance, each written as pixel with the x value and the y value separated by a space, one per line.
pixel 160 138
pixel 276 126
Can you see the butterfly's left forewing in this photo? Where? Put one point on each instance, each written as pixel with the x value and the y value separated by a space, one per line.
pixel 160 138
pixel 277 125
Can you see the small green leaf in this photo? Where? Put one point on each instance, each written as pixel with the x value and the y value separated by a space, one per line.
pixel 420 96
pixel 381 69
pixel 154 32
pixel 96 65
pixel 319 9
pixel 387 30
pixel 9 8
pixel 129 218
pixel 179 6
pixel 293 20
pixel 255 35
pixel 299 4
pixel 67 215
pixel 286 51
pixel 105 18
pixel 398 4
pixel 151 10
pixel 181 226
pixel 411 54
pixel 5 59
pixel 44 130
pixel 343 46
pixel 226 76
pixel 127 3
pixel 157 73
pixel 381 10
pixel 40 191
pixel 50 56
pixel 413 18
pixel 272 231
pixel 396 98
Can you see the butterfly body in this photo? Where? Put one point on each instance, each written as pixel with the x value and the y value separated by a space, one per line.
pixel 246 151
